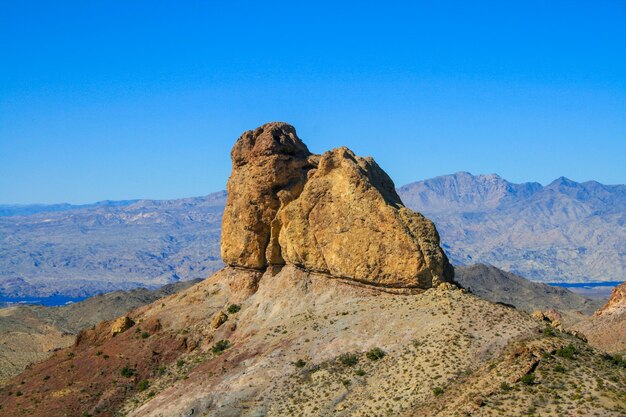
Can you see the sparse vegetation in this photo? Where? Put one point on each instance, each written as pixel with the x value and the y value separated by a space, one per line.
pixel 375 354
pixel 127 372
pixel 220 346
pixel 349 359
pixel 528 379
pixel 143 385
pixel 567 352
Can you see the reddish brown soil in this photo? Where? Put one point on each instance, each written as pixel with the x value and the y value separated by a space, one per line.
pixel 87 378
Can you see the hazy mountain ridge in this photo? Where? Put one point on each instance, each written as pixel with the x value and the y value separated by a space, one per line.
pixel 84 251
pixel 28 209
pixel 565 231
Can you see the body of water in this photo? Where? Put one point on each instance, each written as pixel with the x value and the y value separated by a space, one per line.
pixel 601 290
pixel 585 284
pixel 52 301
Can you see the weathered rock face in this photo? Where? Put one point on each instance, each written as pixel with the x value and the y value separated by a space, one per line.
pixel 336 213
pixel 121 324
pixel 617 301
pixel 269 170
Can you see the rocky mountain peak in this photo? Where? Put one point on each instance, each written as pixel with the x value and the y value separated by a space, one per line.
pixel 271 139
pixel 335 213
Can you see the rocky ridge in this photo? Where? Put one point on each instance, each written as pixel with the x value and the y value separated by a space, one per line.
pixel 616 303
pixel 334 213
pixel 493 284
pixel 607 328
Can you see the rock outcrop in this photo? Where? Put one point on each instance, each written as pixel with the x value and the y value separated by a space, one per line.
pixel 335 213
pixel 121 324
pixel 617 301
pixel 606 329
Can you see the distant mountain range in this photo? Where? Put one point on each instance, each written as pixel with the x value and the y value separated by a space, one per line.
pixel 565 231
pixel 81 251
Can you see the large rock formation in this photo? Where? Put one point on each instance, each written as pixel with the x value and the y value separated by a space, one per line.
pixel 337 214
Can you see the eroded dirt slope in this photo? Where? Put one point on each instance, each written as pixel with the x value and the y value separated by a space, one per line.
pixel 306 344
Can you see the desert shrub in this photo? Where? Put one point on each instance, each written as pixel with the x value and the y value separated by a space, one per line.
pixel 437 391
pixel 220 346
pixel 528 379
pixel 349 359
pixel 616 359
pixel 505 387
pixel 143 385
pixel 180 363
pixel 234 308
pixel 559 368
pixel 567 352
pixel 360 372
pixel 145 335
pixel 127 372
pixel 375 354
pixel 346 382
pixel 299 363
pixel 548 331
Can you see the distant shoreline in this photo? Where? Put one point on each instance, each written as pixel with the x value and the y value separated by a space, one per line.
pixel 585 284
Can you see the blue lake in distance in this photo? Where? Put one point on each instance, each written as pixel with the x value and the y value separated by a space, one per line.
pixel 601 290
pixel 52 301
pixel 585 284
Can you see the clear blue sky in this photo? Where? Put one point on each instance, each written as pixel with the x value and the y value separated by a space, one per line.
pixel 144 99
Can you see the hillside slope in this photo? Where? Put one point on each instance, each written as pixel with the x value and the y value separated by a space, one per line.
pixel 607 328
pixel 495 285
pixel 29 334
pixel 300 343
